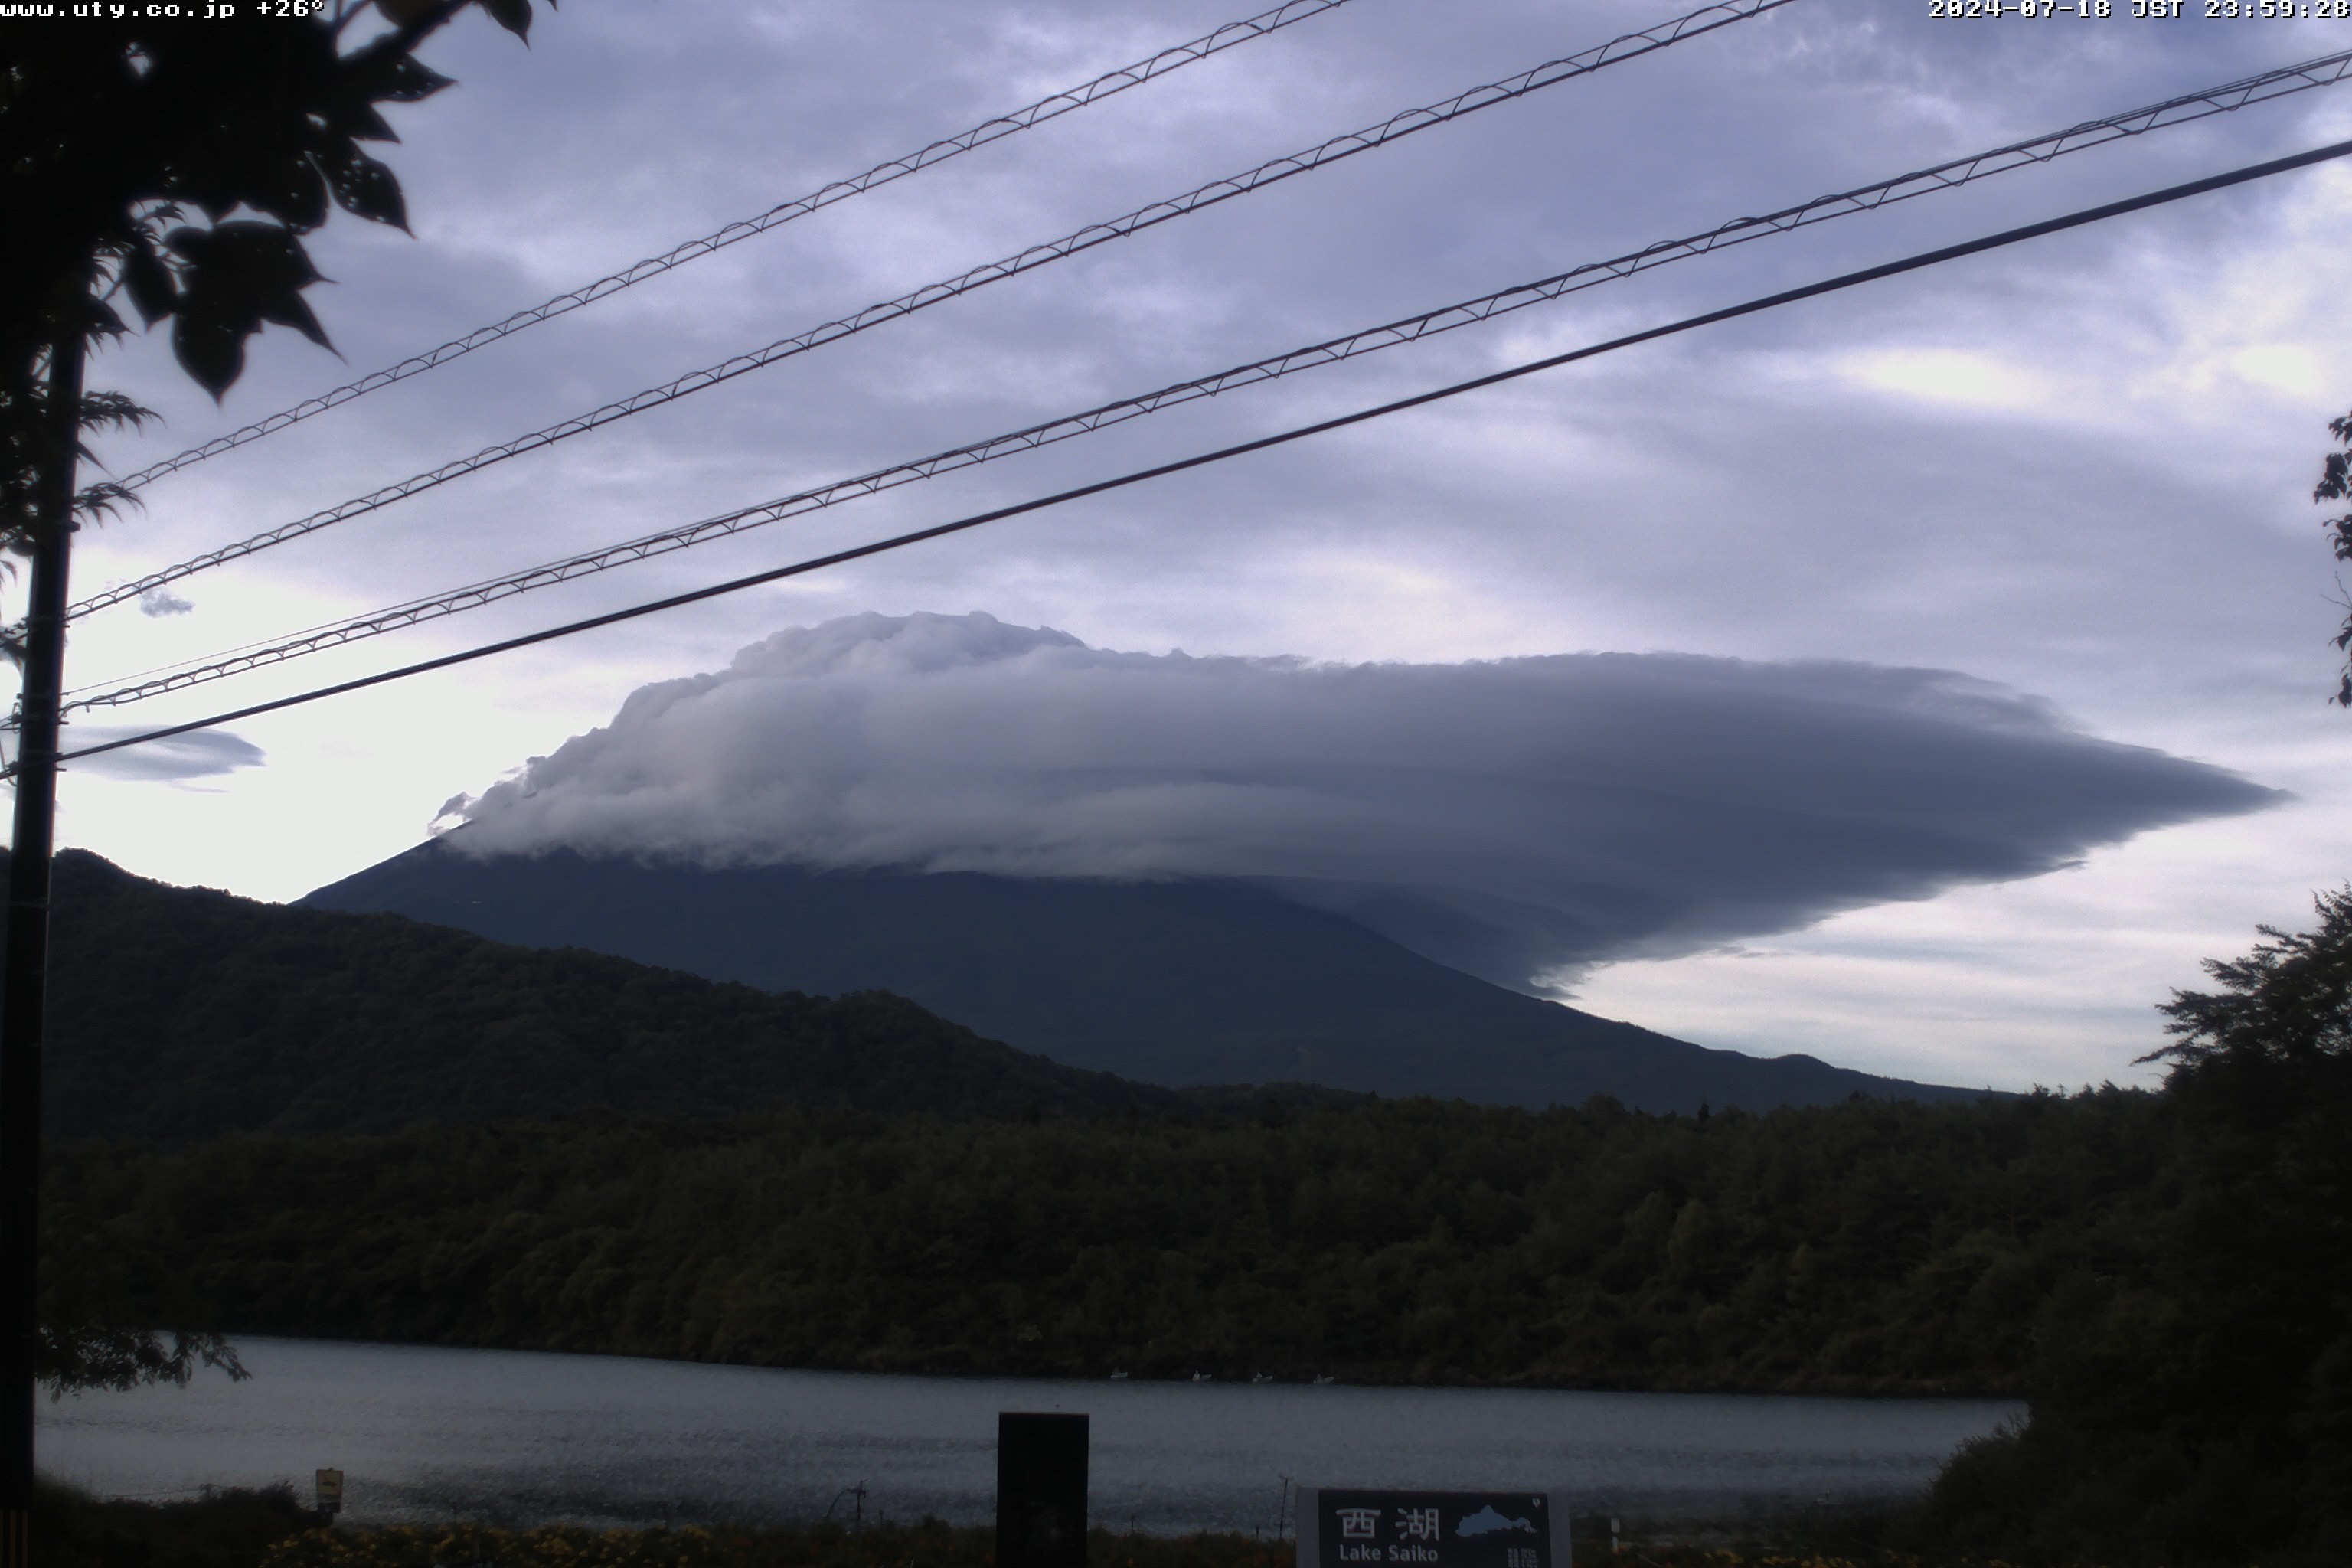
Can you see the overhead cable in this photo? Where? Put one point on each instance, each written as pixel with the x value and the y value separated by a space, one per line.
pixel 1050 107
pixel 1943 177
pixel 801 568
pixel 1706 19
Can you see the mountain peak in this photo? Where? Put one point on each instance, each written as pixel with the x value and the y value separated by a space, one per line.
pixel 1175 981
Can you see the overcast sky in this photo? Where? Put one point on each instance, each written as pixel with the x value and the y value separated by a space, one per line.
pixel 2019 550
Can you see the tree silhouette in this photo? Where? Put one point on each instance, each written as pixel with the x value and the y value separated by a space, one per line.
pixel 2289 1000
pixel 2336 484
pixel 174 163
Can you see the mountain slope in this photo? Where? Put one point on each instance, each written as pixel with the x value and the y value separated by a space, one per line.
pixel 183 1013
pixel 1171 982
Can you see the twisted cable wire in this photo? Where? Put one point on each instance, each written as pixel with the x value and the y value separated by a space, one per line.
pixel 2324 72
pixel 1048 108
pixel 1705 20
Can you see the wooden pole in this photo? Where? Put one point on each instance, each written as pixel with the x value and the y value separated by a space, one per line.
pixel 27 952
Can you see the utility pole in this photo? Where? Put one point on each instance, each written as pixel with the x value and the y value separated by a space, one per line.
pixel 27 952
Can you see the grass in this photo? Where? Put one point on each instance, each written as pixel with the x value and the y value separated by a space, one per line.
pixel 72 1529
pixel 269 1529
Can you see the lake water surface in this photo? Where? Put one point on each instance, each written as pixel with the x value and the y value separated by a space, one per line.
pixel 517 1437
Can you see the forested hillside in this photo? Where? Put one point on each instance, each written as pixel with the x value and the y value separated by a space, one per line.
pixel 182 1013
pixel 1862 1247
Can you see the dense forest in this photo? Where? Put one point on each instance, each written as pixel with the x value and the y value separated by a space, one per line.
pixel 1862 1247
pixel 2192 1401
pixel 2167 1277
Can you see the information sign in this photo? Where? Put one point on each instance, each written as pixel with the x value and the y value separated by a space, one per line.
pixel 1351 1529
pixel 1041 1491
pixel 330 1491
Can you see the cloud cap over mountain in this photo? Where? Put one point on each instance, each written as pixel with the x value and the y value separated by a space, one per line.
pixel 1520 819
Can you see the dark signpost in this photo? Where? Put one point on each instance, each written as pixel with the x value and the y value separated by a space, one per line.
pixel 1041 1491
pixel 1340 1528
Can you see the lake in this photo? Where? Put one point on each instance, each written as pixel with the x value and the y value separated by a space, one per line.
pixel 517 1437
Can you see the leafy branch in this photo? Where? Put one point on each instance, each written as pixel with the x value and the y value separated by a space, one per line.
pixel 177 167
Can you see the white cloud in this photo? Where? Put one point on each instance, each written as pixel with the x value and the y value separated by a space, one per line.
pixel 1516 818
pixel 1949 376
pixel 201 753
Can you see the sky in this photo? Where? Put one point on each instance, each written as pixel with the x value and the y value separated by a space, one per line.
pixel 1926 677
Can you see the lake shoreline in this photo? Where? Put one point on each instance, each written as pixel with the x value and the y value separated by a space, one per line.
pixel 1859 1388
pixel 424 1432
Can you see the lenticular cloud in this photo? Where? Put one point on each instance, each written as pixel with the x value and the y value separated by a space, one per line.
pixel 1520 819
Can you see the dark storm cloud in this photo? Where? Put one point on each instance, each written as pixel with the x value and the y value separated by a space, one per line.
pixel 1515 817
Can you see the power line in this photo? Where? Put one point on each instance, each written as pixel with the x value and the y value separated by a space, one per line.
pixel 1051 107
pixel 2324 72
pixel 1706 19
pixel 801 568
